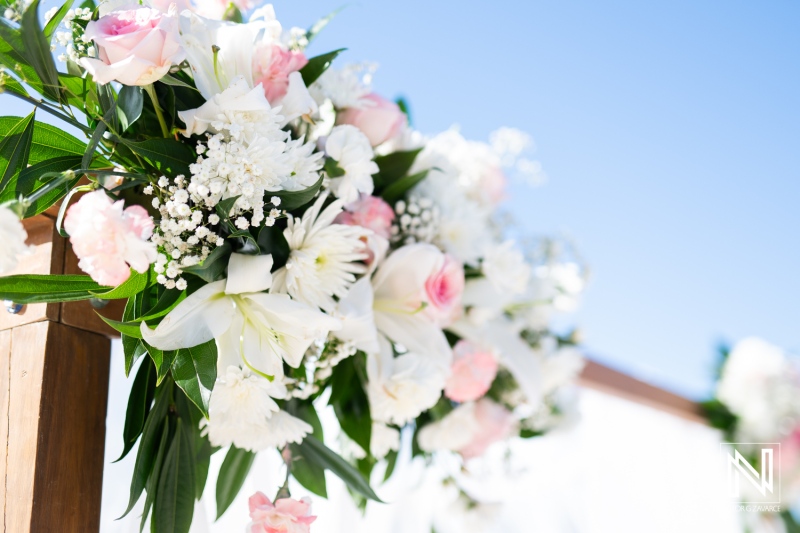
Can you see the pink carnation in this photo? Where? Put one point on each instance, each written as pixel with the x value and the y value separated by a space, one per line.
pixel 271 68
pixel 369 212
pixel 285 516
pixel 379 119
pixel 107 238
pixel 444 288
pixel 472 372
pixel 496 424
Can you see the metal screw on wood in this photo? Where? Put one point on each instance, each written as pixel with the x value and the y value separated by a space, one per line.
pixel 13 308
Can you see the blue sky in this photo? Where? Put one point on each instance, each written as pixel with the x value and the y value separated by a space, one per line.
pixel 670 132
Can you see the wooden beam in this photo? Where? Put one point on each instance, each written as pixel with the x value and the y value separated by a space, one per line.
pixel 54 364
pixel 605 379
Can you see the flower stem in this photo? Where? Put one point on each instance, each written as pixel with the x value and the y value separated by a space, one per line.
pixel 151 91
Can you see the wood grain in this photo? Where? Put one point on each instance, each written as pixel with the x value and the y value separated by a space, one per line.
pixel 5 368
pixel 56 429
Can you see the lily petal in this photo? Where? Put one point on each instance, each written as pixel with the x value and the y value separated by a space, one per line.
pixel 199 318
pixel 249 273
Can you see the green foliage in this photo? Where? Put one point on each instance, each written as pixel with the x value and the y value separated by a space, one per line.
pixel 319 25
pixel 308 473
pixel 313 450
pixel 15 148
pixel 291 200
pixel 37 52
pixel 141 398
pixel 165 156
pixel 174 506
pixel 392 167
pixel 195 371
pixel 231 477
pixel 136 283
pixel 42 288
pixel 129 106
pixel 213 267
pixel 349 399
pixel 317 65
pixel 399 188
pixel 719 416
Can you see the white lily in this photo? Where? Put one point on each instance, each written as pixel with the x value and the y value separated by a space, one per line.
pixel 219 51
pixel 252 328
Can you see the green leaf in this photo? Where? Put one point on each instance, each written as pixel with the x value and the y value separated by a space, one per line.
pixel 129 106
pixel 174 506
pixel 15 147
pixel 332 168
pixel 168 156
pixel 404 107
pixel 145 457
pixel 399 188
pixel 131 329
pixel 141 398
pixel 136 283
pixel 319 25
pixel 272 241
pixel 151 486
pixel 171 80
pixel 391 462
pixel 52 24
pixel 29 181
pixel 394 166
pixel 309 474
pixel 131 346
pixel 293 199
pixel 11 85
pixel 213 266
pixel 48 141
pixel 231 477
pixel 12 55
pixel 41 288
pixel 224 207
pixel 94 141
pixel 195 371
pixel 202 462
pixel 166 303
pixel 316 451
pixel 317 65
pixel 350 402
pixel 38 53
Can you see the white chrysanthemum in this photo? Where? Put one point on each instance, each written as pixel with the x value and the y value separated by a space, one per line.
pixel 12 235
pixel 505 268
pixel 401 387
pixel 453 432
pixel 345 87
pixel 383 440
pixel 323 262
pixel 353 153
pixel 242 412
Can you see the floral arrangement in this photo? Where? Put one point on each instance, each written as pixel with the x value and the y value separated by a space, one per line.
pixel 757 400
pixel 286 242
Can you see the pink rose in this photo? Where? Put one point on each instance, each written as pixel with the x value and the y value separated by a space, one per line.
pixel 443 289
pixel 472 372
pixel 135 45
pixel 496 424
pixel 285 516
pixel 369 212
pixel 271 68
pixel 107 238
pixel 379 119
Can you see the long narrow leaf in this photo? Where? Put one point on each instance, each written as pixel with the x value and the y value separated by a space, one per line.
pixel 231 477
pixel 15 148
pixel 316 451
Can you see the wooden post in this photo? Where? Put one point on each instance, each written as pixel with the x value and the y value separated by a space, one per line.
pixel 54 363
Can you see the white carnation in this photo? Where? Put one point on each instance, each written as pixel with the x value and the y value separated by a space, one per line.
pixel 353 153
pixel 505 267
pixel 243 412
pixel 12 235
